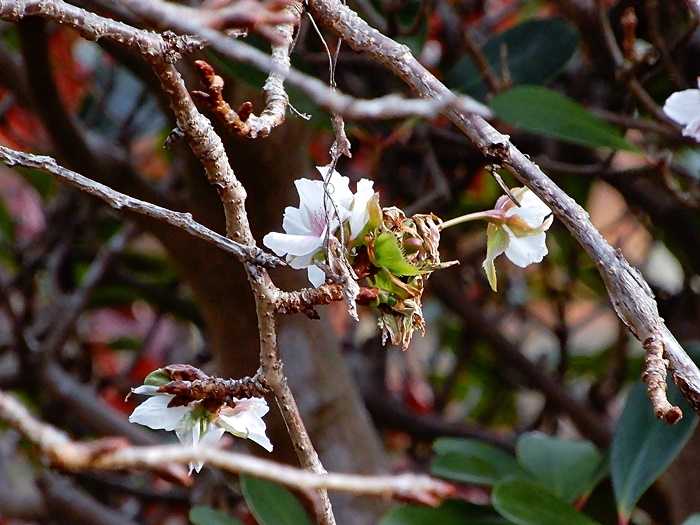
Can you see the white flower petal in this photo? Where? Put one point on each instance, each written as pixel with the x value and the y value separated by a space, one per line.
pixel 245 420
pixel 339 187
pixel 300 262
pixel 692 130
pixel 262 440
pixel 255 405
pixel 317 277
pixel 532 210
pixel 188 433
pixel 359 214
pixel 155 413
pixel 525 250
pixel 683 106
pixel 196 438
pixel 146 390
pixel 310 194
pixel 282 243
pixel 212 437
pixel 294 222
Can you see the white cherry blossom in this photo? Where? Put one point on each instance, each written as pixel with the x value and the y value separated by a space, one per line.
pixel 684 108
pixel 306 226
pixel 195 426
pixel 519 232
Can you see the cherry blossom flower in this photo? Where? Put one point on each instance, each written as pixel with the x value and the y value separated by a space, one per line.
pixel 684 108
pixel 306 227
pixel 517 231
pixel 359 211
pixel 196 426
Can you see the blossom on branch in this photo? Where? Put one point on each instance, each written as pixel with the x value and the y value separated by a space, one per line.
pixel 198 423
pixel 517 226
pixel 684 108
pixel 517 231
pixel 322 209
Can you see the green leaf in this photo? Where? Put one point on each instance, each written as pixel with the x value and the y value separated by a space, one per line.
pixel 536 51
pixel 449 513
pixel 272 504
pixel 387 254
pixel 158 377
pixel 471 461
pixel 692 520
pixel 546 112
pixel 643 447
pixel 566 468
pixel 527 503
pixel 203 515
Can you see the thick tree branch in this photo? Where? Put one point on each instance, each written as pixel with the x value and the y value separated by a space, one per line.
pixel 629 293
pixel 101 455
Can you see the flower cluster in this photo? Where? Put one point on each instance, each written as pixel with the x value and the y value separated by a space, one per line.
pixel 198 422
pixel 392 255
pixel 684 108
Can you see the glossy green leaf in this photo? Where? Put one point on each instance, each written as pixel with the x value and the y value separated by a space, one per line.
pixel 272 504
pixel 471 461
pixel 692 520
pixel 203 515
pixel 643 447
pixel 546 112
pixel 527 503
pixel 388 254
pixel 449 513
pixel 566 468
pixel 536 51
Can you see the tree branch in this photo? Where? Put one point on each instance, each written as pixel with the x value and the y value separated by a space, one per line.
pixel 98 455
pixel 120 201
pixel 629 293
pixel 387 107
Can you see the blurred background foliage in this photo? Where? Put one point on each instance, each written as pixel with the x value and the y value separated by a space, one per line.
pixel 528 399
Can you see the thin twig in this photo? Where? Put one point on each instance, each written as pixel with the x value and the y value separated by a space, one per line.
pixel 482 63
pixel 120 202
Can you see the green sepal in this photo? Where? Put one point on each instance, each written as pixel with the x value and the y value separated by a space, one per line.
pixel 158 377
pixel 388 254
pixel 496 242
pixel 386 281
